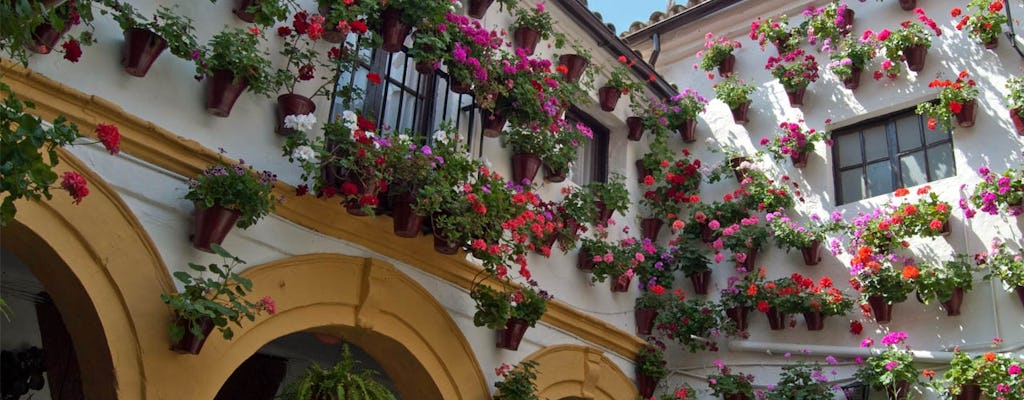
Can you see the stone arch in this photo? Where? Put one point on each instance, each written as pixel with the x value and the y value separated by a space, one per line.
pixel 580 372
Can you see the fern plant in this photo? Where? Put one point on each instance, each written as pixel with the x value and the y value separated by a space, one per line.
pixel 344 381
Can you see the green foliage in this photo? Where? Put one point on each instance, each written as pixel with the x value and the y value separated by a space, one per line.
pixel 801 381
pixel 989 371
pixel 938 282
pixel 986 20
pixel 824 23
pixel 613 193
pixel 851 53
pixel 886 281
pixel 621 78
pixel 235 187
pixel 953 96
pixel 1005 264
pixel 733 91
pixel 744 291
pixel 1016 96
pixel 794 70
pixel 240 52
pixel 28 151
pixel 715 51
pixel 220 298
pixel 19 20
pixel 268 12
pixel 689 256
pixel 346 380
pixel 651 361
pixel 789 235
pixel 519 382
pixel 726 383
pixel 580 205
pixel 886 370
pixel 776 30
pixel 176 29
pixel 418 13
pixel 494 308
pixel 534 18
pixel 691 323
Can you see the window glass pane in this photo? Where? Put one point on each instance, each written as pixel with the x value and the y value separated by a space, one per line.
pixel 849 149
pixel 940 161
pixel 908 133
pixel 913 169
pixel 875 144
pixel 879 178
pixel 853 185
pixel 937 135
pixel 583 167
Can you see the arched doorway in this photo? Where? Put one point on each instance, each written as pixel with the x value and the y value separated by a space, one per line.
pixel 579 372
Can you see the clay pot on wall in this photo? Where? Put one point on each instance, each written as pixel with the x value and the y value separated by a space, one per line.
pixel 575 64
pixel 608 97
pixel 212 225
pixel 477 8
pixel 141 48
pixel 915 56
pixel 511 335
pixel 291 104
pixel 222 90
pixel 190 343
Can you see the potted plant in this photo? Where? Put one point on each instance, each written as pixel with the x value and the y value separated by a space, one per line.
pixel 984 22
pixel 647 306
pixel 850 59
pixel 927 217
pixel 227 195
pixel 342 18
pixel 789 235
pixel 794 142
pixel 410 167
pixel 234 62
pixel 617 262
pixel 565 147
pixel 518 382
pixel 735 93
pixel 795 70
pixel 145 39
pixel 430 46
pixel 530 25
pixel 529 145
pixel 776 31
pixel 997 193
pixel 666 189
pixel 801 381
pixel 1015 100
pixel 576 64
pixel 211 301
pixel 742 295
pixel 731 385
pixel 693 261
pixel 611 196
pixel 509 311
pixel 598 249
pixel 708 219
pixel 717 53
pixel 882 284
pixel 262 12
pixel 37 26
pixel 891 370
pixel 758 191
pixel 301 58
pixel 1005 264
pixel 580 206
pixel 946 282
pixel 682 111
pixel 826 26
pixel 989 374
pixel 691 323
pixel 477 8
pixel 911 42
pixel 398 17
pixel 441 194
pixel 467 60
pixel 654 264
pixel 744 239
pixel 956 99
pixel 820 300
pixel 779 298
pixel 650 368
pixel 619 82
pixel 344 380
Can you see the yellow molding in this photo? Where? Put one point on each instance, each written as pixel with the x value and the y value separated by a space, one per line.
pixel 159 147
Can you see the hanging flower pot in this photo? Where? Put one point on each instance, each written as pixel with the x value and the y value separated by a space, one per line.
pixel 291 104
pixel 510 336
pixel 739 114
pixel 915 55
pixel 526 39
pixel 141 48
pixel 965 118
pixel 898 391
pixel 363 190
pixel 575 65
pixel 735 396
pixel 688 130
pixel 853 82
pixel 585 261
pixel 952 305
pixel 442 243
pixel 212 225
pixel 782 45
pixel 880 308
pixel 749 258
pixel 426 67
pixel 1017 116
pixel 493 122
pixel 969 391
pixel 641 171
pixel 992 44
pixel 645 320
pixel 650 227
pixel 800 158
pixel 477 8
pixel 190 343
pixel 636 128
pixel 738 315
pixel 848 19
pixel 331 33
pixel 45 37
pixel 708 235
pixel 645 385
pixel 815 321
pixel 553 176
pixel 776 319
pixel 740 173
pixel 242 6
pixel 222 91
pixel 1020 294
pixel 726 66
pixel 406 223
pixel 458 86
pixel 608 97
pixel 603 212
pixel 621 283
pixel 796 96
pixel 525 167
pixel 908 5
pixel 393 31
pixel 700 280
pixel 812 253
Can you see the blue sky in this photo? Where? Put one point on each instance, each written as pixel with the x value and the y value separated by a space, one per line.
pixel 624 12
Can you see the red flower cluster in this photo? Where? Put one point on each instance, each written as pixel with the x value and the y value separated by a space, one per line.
pixel 72 50
pixel 75 185
pixel 110 137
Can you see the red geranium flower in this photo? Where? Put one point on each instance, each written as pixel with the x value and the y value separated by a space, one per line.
pixel 110 137
pixel 75 184
pixel 72 50
pixel 373 77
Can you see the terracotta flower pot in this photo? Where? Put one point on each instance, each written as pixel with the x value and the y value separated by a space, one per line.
pixel 553 176
pixel 405 222
pixel 739 114
pixel 776 319
pixel 477 8
pixel 426 67
pixel 969 392
pixel 952 305
pixel 796 96
pixel 738 315
pixel 641 171
pixel 1020 294
pixel 493 122
pixel 688 131
pixel 815 321
pixel 526 39
pixel 636 128
pixel 853 82
pixel 575 64
pixel 881 309
pixel 782 46
pixel 242 6
pixel 726 66
pixel 511 335
pixel 848 19
pixel 700 281
pixel 603 212
pixel 363 189
pixel 212 225
pixel 812 253
pixel 735 396
pixel 915 56
pixel 1017 116
pixel 645 320
pixel 608 97
pixel 459 87
pixel 190 343
pixel 736 170
pixel 708 235
pixel 442 243
pixel 650 227
pixel 899 391
pixel 524 168
pixel 621 283
pixel 800 158
pixel 291 104
pixel 585 261
pixel 222 91
pixel 45 37
pixel 749 261
pixel 965 118
pixel 645 385
pixel 908 5
pixel 141 48
pixel 393 31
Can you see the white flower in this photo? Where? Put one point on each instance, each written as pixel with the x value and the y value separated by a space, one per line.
pixel 302 122
pixel 304 153
pixel 745 165
pixel 350 119
pixel 403 138
pixel 440 136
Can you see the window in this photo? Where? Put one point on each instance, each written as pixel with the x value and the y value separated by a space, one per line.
pixel 880 155
pixel 592 157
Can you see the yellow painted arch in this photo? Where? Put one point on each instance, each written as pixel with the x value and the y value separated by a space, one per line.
pixel 580 372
